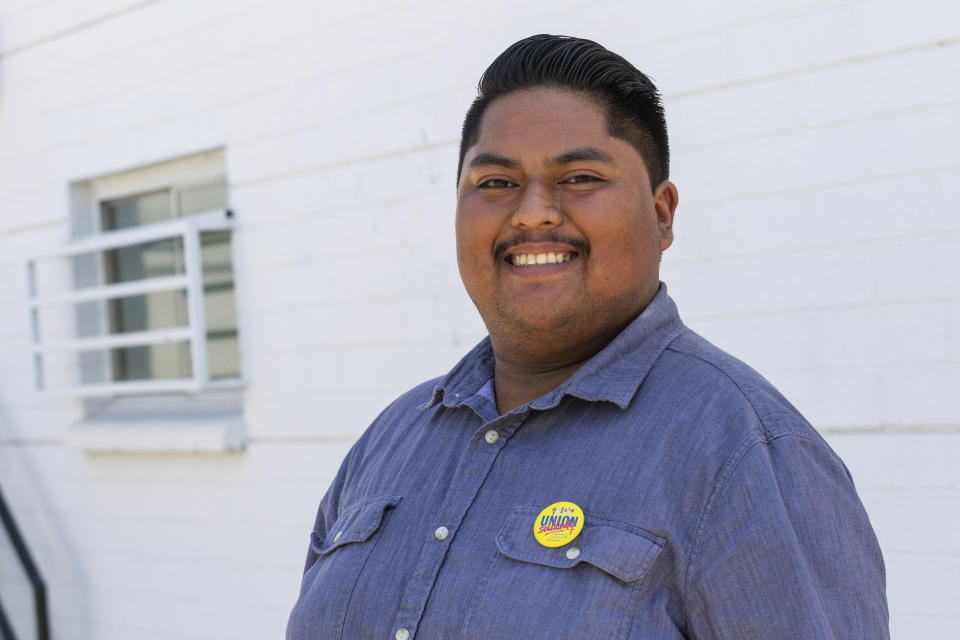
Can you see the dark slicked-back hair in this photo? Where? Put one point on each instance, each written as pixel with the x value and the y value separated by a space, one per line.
pixel 632 103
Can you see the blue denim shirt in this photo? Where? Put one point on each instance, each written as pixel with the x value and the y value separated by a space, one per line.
pixel 712 509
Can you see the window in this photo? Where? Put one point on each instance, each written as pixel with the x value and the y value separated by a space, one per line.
pixel 141 299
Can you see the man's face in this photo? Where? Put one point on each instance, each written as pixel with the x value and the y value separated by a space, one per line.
pixel 557 227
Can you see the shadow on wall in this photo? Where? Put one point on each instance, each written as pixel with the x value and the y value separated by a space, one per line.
pixel 60 564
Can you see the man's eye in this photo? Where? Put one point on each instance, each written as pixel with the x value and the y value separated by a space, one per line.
pixel 581 178
pixel 495 183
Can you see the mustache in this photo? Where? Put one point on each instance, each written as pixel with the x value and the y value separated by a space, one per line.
pixel 500 249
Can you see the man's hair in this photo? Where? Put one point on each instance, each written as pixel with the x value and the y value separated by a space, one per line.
pixel 629 99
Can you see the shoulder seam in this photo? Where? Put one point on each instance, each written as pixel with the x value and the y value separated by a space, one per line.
pixel 728 377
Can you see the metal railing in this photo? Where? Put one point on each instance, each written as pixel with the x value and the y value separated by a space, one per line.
pixel 189 231
pixel 30 568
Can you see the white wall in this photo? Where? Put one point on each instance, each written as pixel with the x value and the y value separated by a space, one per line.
pixel 817 237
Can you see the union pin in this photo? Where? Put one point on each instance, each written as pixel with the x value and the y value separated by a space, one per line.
pixel 558 524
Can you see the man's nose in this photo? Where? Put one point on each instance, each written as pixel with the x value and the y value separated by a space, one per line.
pixel 538 207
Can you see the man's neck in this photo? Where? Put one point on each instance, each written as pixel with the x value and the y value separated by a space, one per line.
pixel 515 387
pixel 524 374
pixel 531 360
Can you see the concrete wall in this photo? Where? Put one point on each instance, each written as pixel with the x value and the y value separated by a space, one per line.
pixel 818 238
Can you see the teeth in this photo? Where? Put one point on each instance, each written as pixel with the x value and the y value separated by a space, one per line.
pixel 540 258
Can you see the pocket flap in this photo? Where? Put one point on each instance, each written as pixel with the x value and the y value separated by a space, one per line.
pixel 621 550
pixel 355 524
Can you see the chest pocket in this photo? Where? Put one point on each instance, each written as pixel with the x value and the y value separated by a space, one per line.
pixel 356 524
pixel 339 558
pixel 588 588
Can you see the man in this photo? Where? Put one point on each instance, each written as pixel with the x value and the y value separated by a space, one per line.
pixel 593 469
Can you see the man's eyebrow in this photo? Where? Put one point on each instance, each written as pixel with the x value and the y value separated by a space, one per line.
pixel 583 154
pixel 492 159
pixel 580 154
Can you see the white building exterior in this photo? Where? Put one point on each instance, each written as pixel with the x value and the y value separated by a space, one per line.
pixel 815 148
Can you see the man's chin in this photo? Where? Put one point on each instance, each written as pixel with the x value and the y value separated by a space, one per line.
pixel 548 322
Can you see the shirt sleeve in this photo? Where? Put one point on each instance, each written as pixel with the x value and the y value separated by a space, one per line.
pixel 785 550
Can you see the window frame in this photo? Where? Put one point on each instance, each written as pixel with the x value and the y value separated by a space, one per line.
pixel 61 275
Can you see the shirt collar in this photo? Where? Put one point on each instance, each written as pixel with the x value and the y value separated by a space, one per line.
pixel 614 374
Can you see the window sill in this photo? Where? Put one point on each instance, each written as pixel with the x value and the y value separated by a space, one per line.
pixel 162 425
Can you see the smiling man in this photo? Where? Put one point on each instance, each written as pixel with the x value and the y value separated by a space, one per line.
pixel 559 235
pixel 592 469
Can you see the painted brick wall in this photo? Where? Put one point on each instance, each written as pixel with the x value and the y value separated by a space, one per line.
pixel 818 238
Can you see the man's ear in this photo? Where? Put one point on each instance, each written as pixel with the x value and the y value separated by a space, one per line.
pixel 665 199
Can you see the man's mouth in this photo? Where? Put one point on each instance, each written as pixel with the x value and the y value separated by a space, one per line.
pixel 551 257
pixel 547 250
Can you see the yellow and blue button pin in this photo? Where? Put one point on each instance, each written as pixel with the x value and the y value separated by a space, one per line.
pixel 558 524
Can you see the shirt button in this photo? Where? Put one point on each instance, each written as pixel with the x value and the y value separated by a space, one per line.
pixel 441 533
pixel 491 437
pixel 336 538
pixel 573 553
pixel 402 634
